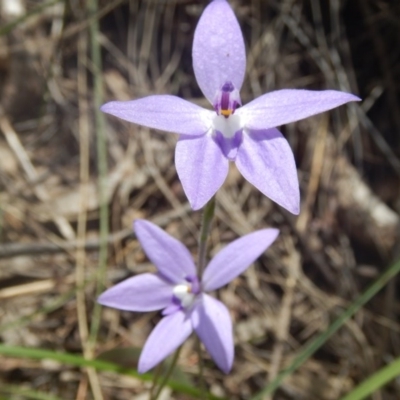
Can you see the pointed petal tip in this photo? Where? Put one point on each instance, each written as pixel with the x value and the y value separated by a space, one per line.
pixel 348 97
pixel 273 233
pixel 138 223
pixel 196 204
pixel 292 208
pixel 105 301
pixel 107 297
pixel 226 369
pixel 102 299
pixel 106 107
pixel 143 367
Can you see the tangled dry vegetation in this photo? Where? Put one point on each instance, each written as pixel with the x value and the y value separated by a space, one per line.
pixel 348 164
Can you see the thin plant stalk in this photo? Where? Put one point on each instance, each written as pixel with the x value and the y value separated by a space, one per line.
pixel 374 382
pixel 207 217
pixel 168 374
pixel 156 376
pixel 208 214
pixel 84 178
pixel 102 185
pixel 102 165
pixel 79 361
pixel 202 383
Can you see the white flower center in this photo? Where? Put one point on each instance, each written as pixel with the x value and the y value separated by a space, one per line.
pixel 183 292
pixel 228 126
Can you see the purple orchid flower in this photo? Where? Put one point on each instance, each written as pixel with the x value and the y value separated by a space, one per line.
pixel 245 135
pixel 177 290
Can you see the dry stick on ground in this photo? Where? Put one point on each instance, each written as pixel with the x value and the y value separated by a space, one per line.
pixel 44 285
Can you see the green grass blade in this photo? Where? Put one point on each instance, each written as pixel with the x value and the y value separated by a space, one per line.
pixel 78 361
pixel 101 162
pixel 374 382
pixel 312 347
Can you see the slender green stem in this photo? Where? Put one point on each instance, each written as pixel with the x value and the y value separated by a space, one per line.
pixel 102 165
pixel 202 382
pixel 168 374
pixel 374 382
pixel 207 217
pixel 208 214
pixel 312 347
pixel 156 376
pixel 79 361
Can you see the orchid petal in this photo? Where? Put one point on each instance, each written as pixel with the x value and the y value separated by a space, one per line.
pixel 166 337
pixel 170 256
pixel 201 167
pixel 145 292
pixel 288 105
pixel 218 49
pixel 213 325
pixel 236 257
pixel 266 160
pixel 164 112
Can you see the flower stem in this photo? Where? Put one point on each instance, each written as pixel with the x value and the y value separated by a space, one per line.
pixel 167 375
pixel 157 374
pixel 208 214
pixel 202 383
pixel 207 217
